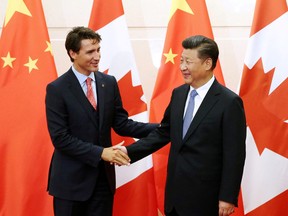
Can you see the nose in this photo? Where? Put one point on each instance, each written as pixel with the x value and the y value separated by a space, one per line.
pixel 97 55
pixel 183 66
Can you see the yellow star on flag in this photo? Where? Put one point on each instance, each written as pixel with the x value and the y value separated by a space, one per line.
pixel 170 56
pixel 8 60
pixel 49 48
pixel 31 64
pixel 181 5
pixel 16 6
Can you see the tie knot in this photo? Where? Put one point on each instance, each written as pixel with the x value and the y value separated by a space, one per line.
pixel 88 81
pixel 193 93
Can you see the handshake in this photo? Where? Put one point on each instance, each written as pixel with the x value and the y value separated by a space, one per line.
pixel 116 155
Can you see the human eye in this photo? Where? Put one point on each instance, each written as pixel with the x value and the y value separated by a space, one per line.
pixel 89 52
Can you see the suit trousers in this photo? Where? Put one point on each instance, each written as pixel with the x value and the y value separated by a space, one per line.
pixel 99 204
pixel 172 213
pixel 205 212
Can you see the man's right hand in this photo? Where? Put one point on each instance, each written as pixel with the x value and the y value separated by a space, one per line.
pixel 115 156
pixel 122 148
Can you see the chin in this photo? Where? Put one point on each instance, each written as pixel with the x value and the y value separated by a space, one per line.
pixel 94 69
pixel 187 81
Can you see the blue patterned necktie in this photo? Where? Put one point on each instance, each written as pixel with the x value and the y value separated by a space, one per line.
pixel 189 112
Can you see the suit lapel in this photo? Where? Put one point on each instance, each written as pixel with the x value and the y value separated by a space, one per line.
pixel 101 85
pixel 181 101
pixel 207 104
pixel 77 91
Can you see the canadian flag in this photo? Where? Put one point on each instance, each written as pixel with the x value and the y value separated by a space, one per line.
pixel 187 18
pixel 264 89
pixel 135 194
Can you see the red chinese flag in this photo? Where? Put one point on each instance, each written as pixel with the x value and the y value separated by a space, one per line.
pixel 135 194
pixel 187 18
pixel 26 66
pixel 264 89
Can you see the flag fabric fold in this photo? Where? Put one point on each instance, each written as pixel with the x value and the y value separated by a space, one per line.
pixel 135 193
pixel 187 18
pixel 26 67
pixel 264 89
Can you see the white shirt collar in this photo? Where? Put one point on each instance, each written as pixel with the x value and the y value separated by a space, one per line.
pixel 81 77
pixel 202 91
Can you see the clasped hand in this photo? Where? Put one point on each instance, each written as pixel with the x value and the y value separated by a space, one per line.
pixel 116 155
pixel 225 208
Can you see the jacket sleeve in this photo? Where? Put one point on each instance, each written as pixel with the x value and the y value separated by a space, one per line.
pixel 125 126
pixel 234 137
pixel 153 142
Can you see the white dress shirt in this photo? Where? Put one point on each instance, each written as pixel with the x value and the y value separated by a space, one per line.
pixel 202 91
pixel 82 80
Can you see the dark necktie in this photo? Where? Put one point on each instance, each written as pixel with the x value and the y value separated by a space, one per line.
pixel 189 112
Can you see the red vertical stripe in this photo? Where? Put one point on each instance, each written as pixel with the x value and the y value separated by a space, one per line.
pixel 266 111
pixel 104 12
pixel 275 8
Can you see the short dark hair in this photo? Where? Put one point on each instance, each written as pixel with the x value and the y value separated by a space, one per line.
pixel 76 35
pixel 206 47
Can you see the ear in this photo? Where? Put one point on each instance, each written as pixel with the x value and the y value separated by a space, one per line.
pixel 72 54
pixel 208 64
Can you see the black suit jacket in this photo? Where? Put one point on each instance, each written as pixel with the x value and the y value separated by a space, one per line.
pixel 207 165
pixel 79 133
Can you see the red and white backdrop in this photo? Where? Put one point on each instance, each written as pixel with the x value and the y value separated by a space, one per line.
pixel 253 54
pixel 135 194
pixel 264 89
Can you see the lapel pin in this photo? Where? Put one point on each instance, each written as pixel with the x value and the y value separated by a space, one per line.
pixel 103 85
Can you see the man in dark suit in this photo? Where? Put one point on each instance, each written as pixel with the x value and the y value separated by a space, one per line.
pixel 205 163
pixel 82 175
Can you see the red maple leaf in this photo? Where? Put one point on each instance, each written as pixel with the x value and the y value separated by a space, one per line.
pixel 266 114
pixel 131 95
pixel 276 206
pixel 131 99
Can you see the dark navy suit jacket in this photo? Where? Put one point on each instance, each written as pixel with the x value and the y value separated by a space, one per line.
pixel 207 165
pixel 79 133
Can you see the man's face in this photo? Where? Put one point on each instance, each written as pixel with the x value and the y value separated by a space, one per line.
pixel 88 57
pixel 196 72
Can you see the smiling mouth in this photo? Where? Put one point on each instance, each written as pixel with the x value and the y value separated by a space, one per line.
pixel 94 64
pixel 186 75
